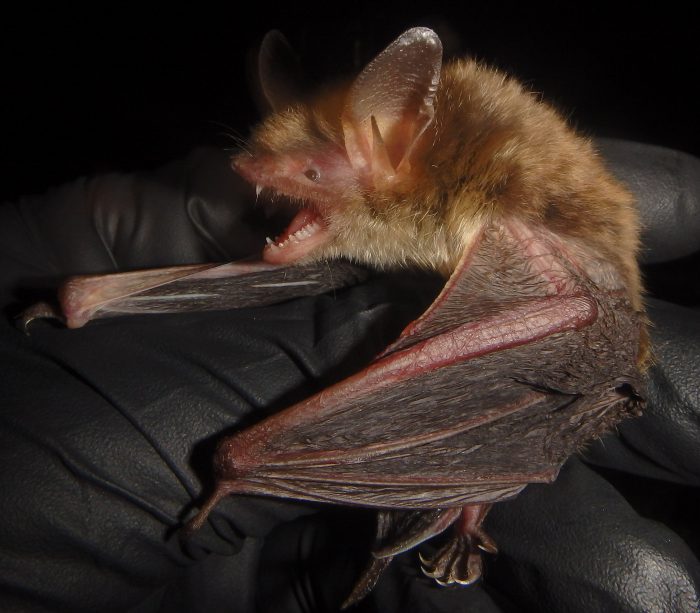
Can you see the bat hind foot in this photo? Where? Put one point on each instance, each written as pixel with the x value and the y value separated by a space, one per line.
pixel 459 560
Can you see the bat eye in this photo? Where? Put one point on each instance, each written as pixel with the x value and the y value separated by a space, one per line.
pixel 312 175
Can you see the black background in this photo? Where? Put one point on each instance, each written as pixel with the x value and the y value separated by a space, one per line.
pixel 114 88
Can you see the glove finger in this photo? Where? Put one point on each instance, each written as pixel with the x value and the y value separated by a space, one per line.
pixel 577 545
pixel 103 421
pixel 666 184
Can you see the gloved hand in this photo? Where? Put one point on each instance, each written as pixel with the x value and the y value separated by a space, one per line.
pixel 107 431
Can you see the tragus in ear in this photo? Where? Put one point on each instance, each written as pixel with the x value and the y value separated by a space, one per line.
pixel 391 103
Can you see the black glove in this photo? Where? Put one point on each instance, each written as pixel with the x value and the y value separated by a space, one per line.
pixel 108 432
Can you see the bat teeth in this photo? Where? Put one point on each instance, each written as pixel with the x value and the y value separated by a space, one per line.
pixel 272 244
pixel 305 232
pixel 299 236
pixel 258 189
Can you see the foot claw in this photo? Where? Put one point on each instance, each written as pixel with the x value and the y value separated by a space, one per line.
pixel 41 310
pixel 459 561
pixel 486 543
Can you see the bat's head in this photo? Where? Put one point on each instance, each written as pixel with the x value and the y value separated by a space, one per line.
pixel 351 160
pixel 390 171
pixel 296 154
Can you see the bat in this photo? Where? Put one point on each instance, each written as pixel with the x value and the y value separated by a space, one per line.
pixel 536 345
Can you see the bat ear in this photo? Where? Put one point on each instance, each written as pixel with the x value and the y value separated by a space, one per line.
pixel 390 104
pixel 277 77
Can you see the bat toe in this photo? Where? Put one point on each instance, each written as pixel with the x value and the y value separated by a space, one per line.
pixel 458 561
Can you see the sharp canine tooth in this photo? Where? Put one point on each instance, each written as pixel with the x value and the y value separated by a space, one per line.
pixel 269 241
pixel 258 189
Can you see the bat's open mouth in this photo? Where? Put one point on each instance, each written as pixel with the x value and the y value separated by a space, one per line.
pixel 305 232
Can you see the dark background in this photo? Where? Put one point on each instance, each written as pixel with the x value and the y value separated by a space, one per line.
pixel 112 88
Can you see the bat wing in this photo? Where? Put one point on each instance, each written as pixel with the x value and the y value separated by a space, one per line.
pixel 516 364
pixel 197 287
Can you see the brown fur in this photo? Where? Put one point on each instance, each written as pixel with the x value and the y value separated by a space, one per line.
pixel 492 150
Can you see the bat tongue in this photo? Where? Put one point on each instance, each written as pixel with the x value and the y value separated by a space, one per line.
pixel 306 231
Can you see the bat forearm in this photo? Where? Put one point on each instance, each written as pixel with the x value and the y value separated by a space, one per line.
pixel 199 287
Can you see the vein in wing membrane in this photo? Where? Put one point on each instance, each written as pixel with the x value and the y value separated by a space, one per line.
pixel 480 441
pixel 459 430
